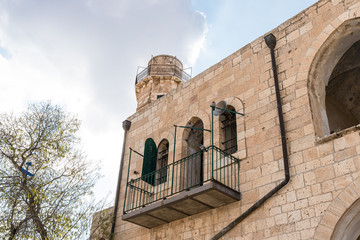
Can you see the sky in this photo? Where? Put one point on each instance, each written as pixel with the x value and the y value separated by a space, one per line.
pixel 84 55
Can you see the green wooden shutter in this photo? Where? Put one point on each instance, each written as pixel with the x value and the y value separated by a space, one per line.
pixel 149 163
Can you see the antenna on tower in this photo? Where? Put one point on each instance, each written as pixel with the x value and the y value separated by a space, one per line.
pixel 153 59
pixel 186 69
pixel 139 68
pixel 174 57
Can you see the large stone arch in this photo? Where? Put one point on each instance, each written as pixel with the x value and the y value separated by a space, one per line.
pixel 342 217
pixel 322 57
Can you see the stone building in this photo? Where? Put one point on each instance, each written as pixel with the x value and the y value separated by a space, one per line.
pixel 264 144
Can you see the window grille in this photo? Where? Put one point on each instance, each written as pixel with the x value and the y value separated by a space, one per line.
pixel 162 162
pixel 228 121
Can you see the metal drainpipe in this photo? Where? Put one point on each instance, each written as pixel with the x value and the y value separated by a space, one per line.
pixel 126 126
pixel 270 41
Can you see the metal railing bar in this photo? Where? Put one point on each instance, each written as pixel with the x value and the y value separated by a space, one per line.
pixel 230 139
pixel 140 189
pixel 162 69
pixel 202 129
pixel 229 111
pixel 186 173
pixel 137 152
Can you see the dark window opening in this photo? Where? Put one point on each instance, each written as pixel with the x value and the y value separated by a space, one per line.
pixel 162 162
pixel 228 128
pixel 192 172
pixel 149 163
pixel 343 91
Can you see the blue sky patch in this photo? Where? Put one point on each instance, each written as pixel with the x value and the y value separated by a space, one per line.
pixel 4 53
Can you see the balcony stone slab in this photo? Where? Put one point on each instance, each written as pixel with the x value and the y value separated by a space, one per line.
pixel 211 194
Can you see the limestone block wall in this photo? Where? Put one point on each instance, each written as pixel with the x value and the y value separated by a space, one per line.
pixel 101 224
pixel 324 170
pixel 151 87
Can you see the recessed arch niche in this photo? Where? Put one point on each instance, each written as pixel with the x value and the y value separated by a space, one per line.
pixel 193 140
pixel 348 227
pixel 334 80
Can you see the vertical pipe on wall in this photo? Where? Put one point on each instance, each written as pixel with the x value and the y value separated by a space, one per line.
pixel 270 41
pixel 126 126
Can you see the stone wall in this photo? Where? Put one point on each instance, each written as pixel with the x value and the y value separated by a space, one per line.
pixel 324 169
pixel 101 224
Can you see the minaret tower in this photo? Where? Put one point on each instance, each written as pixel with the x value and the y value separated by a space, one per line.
pixel 163 74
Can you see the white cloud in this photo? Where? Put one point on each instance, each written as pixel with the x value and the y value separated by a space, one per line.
pixel 84 55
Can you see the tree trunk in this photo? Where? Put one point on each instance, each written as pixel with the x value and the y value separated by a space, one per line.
pixel 41 228
pixel 34 211
pixel 13 232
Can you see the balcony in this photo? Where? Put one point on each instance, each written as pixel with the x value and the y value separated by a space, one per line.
pixel 163 70
pixel 202 181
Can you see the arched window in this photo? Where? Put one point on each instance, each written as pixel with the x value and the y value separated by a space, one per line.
pixel 334 81
pixel 149 163
pixel 228 133
pixel 343 91
pixel 162 161
pixel 193 164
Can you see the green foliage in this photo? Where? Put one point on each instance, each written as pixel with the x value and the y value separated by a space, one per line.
pixel 53 204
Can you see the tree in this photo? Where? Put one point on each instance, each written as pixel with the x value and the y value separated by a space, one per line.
pixel 101 224
pixel 48 199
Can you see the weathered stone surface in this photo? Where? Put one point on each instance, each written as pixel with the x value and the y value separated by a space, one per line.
pixel 324 166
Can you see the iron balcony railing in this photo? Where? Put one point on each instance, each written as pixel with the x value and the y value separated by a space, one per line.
pixel 162 70
pixel 211 164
